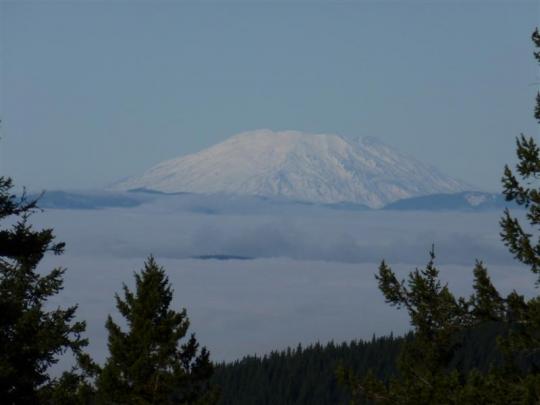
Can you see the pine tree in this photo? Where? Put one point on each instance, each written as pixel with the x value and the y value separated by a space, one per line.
pixel 31 337
pixel 147 364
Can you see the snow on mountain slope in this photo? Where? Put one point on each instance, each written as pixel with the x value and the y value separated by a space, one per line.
pixel 307 167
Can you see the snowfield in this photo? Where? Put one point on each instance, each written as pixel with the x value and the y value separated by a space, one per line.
pixel 305 167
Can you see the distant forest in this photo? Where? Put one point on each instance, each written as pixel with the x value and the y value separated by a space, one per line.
pixel 307 375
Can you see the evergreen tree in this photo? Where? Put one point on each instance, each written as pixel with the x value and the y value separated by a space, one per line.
pixel 427 372
pixel 147 364
pixel 31 337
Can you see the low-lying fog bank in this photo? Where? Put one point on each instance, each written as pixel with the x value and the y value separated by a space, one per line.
pixel 311 277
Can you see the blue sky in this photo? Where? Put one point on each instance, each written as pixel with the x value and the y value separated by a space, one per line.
pixel 93 91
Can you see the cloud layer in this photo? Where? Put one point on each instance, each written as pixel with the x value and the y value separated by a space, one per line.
pixel 311 277
pixel 268 231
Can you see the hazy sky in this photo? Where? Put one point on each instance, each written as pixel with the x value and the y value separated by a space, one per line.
pixel 93 91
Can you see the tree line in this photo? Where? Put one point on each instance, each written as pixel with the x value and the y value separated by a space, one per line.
pixel 307 375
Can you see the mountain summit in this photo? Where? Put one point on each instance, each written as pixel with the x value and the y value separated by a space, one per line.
pixel 300 166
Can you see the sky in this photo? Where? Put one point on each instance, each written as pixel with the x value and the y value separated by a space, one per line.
pixel 94 91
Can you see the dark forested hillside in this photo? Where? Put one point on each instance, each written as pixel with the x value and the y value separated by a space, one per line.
pixel 303 375
pixel 307 375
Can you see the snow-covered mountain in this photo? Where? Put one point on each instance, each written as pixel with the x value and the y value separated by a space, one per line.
pixel 307 167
